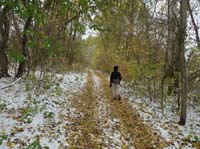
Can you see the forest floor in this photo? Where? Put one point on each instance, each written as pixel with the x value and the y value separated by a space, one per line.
pixel 76 110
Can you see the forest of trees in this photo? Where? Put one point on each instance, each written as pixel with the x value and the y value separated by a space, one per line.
pixel 156 43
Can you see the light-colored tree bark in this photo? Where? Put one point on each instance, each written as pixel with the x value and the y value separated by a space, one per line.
pixel 171 47
pixel 196 29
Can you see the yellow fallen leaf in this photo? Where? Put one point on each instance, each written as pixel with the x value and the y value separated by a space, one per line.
pixel 10 144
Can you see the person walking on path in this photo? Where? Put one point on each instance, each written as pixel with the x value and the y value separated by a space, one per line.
pixel 115 79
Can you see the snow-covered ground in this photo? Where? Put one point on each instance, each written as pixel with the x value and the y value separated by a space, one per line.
pixel 167 124
pixel 32 116
pixel 37 116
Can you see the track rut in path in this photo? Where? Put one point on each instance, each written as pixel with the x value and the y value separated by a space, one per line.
pixel 107 123
pixel 132 127
pixel 86 132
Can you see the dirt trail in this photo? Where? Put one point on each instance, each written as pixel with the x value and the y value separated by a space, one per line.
pixel 107 123
pixel 86 132
pixel 131 126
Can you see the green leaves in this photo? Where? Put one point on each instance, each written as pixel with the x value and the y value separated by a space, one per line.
pixel 13 55
pixel 34 145
pixel 9 3
pixel 27 9
pixel 3 137
pixel 134 70
pixel 47 44
pixel 79 27
pixel 150 69
pixel 48 114
pixel 58 90
pixel 59 47
pixel 31 44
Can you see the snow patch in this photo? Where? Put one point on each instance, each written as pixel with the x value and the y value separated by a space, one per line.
pixel 166 124
pixel 26 117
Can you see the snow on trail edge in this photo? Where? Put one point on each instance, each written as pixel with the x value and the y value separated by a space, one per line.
pixel 26 118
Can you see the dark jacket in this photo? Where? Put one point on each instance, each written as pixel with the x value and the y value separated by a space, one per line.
pixel 115 75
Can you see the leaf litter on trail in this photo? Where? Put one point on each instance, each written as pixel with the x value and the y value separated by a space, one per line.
pixel 82 114
pixel 131 124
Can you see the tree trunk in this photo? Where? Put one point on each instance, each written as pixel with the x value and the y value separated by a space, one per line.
pixel 21 68
pixel 194 24
pixel 182 34
pixel 172 29
pixel 171 47
pixel 162 93
pixel 4 35
pixel 149 89
pixel 171 44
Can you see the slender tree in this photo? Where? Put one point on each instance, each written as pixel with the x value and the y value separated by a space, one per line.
pixel 171 48
pixel 196 28
pixel 21 68
pixel 4 35
pixel 182 35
